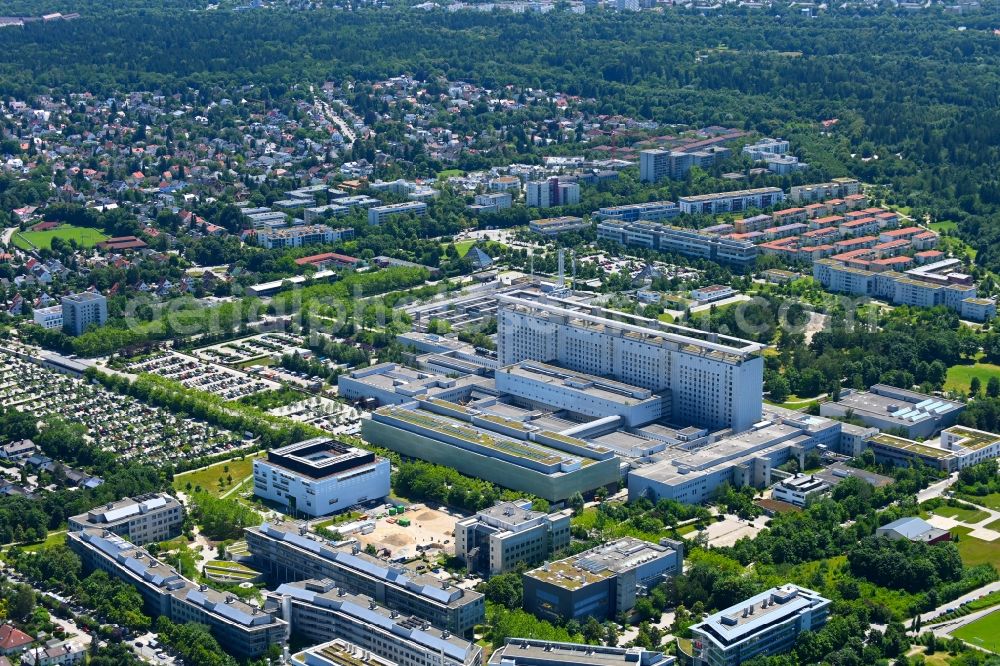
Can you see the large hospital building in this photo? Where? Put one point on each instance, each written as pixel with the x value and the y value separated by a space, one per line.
pixel 714 380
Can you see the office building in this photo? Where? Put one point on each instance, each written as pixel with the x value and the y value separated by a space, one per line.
pixel 714 380
pixel 48 318
pixel 657 164
pixel 243 629
pixel 585 397
pixel 80 311
pixel 767 623
pixel 532 652
pixel 958 447
pixel 731 202
pixel 287 551
pixel 694 474
pixel 146 519
pixel 497 539
pixel 838 188
pixel 522 456
pixel 339 652
pixel 378 214
pixel 553 226
pixel 888 408
pixel 317 609
pixel 654 211
pixel 978 309
pixel 393 384
pixel 552 192
pixel 311 234
pixel 799 490
pixel 601 582
pixel 738 253
pixel 320 476
pixel 913 529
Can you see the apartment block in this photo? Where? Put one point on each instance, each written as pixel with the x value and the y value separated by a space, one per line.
pixel 497 539
pixel 552 192
pixel 318 609
pixel 144 519
pixel 378 214
pixel 658 164
pixel 311 234
pixel 80 311
pixel 714 380
pixel 838 188
pixel 492 202
pixel 320 476
pixel 653 211
pixel 49 318
pixel 735 202
pixel 739 253
pixel 287 551
pixel 601 582
pixel 764 624
pixel 245 630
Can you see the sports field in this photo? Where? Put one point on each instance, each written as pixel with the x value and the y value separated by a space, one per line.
pixel 84 236
pixel 984 632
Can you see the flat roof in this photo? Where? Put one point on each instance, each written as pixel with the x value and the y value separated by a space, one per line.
pixel 606 389
pixel 757 614
pixel 599 563
pixel 533 652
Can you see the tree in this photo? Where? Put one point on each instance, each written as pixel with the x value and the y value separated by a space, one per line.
pixel 576 502
pixel 505 589
pixel 993 387
pixel 23 604
pixel 975 386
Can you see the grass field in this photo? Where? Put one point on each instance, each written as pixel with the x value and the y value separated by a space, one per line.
pixel 946 225
pixel 965 515
pixel 959 376
pixel 984 632
pixel 84 236
pixel 991 501
pixel 463 247
pixel 53 539
pixel 208 478
pixel 976 551
pixel 666 318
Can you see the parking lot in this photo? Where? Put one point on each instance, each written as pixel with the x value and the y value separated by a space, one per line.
pixel 246 350
pixel 120 424
pixel 197 374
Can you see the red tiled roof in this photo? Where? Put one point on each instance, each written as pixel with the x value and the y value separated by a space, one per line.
pixel 12 638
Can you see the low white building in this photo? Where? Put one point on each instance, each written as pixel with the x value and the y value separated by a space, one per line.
pixel 799 489
pixel 320 476
pixel 50 317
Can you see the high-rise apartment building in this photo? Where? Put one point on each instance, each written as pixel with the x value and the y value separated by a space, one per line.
pixel 714 380
pixel 81 310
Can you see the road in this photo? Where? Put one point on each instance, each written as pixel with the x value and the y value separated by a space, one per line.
pixel 936 489
pixel 926 618
pixel 8 233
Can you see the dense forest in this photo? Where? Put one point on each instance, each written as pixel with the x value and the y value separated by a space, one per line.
pixel 916 98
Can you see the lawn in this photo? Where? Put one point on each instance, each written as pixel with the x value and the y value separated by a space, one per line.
pixel 969 516
pixel 976 551
pixel 959 376
pixel 984 632
pixel 991 501
pixel 666 318
pixel 208 478
pixel 463 247
pixel 946 225
pixel 448 173
pixel 53 539
pixel 84 236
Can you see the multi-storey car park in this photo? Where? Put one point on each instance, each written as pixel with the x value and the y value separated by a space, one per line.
pixel 243 629
pixel 287 552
